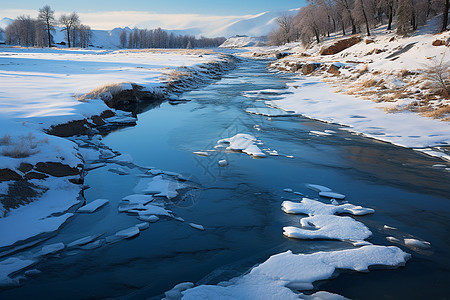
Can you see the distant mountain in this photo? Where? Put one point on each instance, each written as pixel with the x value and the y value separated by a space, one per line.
pixel 5 22
pixel 250 25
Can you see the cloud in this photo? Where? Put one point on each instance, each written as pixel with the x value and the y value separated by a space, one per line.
pixel 111 19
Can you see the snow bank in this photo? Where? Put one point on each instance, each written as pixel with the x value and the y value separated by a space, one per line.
pixel 365 117
pixel 278 276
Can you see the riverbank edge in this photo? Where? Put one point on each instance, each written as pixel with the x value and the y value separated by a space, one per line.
pixel 109 119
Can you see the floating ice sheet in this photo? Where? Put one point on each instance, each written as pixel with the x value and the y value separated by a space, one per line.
pixel 278 276
pixel 93 206
pixel 313 207
pixel 328 227
pixel 245 143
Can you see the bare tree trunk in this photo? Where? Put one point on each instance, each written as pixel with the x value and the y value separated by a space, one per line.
pixel 49 37
pixel 365 18
pixel 391 13
pixel 445 16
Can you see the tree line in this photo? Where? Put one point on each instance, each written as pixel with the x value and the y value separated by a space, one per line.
pixel 320 18
pixel 28 32
pixel 159 38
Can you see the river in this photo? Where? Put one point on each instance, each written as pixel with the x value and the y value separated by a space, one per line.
pixel 239 204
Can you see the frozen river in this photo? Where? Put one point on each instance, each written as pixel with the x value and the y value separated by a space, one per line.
pixel 239 204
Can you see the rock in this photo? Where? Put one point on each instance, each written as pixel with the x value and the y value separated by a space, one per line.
pixel 369 41
pixel 56 169
pixel 282 54
pixel 24 167
pixel 35 175
pixel 438 43
pixel 107 114
pixel 392 39
pixel 98 121
pixel 340 45
pixel 333 70
pixel 8 174
pixel 309 68
pixel 69 129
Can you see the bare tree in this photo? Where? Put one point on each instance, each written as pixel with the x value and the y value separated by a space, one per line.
pixel 286 25
pixel 347 6
pixel 47 18
pixel 22 31
pixel 123 39
pixel 69 22
pixel 445 15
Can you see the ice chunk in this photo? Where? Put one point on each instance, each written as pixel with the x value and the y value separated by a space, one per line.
pixel 10 266
pixel 393 239
pixel 93 206
pixel 128 233
pixel 332 195
pixel 93 245
pixel 151 219
pixel 176 292
pixel 314 132
pixel 328 227
pixel 201 153
pixel 51 249
pixel 223 163
pixel 318 188
pixel 313 207
pixel 32 272
pixel 245 143
pixel 287 190
pixel 82 241
pixel 269 112
pixel 144 210
pixel 197 226
pixel 322 295
pixel 119 171
pixel 279 271
pixel 159 187
pixel 410 242
pixel 143 226
pixel 124 158
pixel 389 227
pixel 138 199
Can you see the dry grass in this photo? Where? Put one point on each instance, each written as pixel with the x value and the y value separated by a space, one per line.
pixel 175 75
pixel 364 69
pixel 113 88
pixel 24 147
pixel 6 140
pixel 369 83
pixel 438 113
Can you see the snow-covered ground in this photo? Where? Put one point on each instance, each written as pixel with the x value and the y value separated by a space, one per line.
pixel 405 128
pixel 379 87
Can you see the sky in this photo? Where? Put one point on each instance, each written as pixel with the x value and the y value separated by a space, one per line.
pixel 108 14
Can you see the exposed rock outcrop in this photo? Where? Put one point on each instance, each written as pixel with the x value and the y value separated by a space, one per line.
pixel 340 45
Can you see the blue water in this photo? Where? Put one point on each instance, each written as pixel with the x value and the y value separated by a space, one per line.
pixel 239 205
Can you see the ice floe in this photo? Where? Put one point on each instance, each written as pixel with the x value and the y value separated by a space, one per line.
pixel 332 195
pixel 282 274
pixel 414 243
pixel 151 218
pixel 322 133
pixel 176 292
pixel 128 233
pixel 82 241
pixel 328 227
pixel 52 249
pixel 197 226
pixel 93 206
pixel 243 142
pixel 201 153
pixel 313 207
pixel 159 186
pixel 318 188
pixel 269 112
pixel 138 199
pixel 223 163
pixel 10 266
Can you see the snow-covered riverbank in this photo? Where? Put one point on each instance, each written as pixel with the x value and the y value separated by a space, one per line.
pixel 41 175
